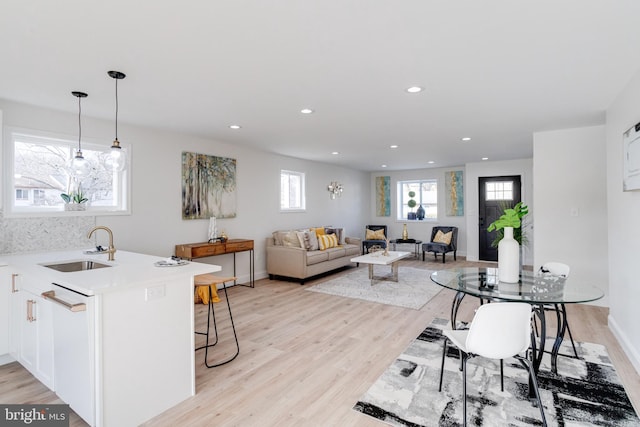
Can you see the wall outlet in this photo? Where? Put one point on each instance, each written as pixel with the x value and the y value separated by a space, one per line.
pixel 154 292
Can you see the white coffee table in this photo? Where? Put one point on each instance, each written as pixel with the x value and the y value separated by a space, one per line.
pixel 378 258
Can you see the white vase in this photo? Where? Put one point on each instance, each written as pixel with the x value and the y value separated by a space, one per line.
pixel 508 258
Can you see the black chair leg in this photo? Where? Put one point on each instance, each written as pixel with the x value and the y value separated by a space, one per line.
pixel 464 389
pixel 444 354
pixel 532 375
pixel 443 256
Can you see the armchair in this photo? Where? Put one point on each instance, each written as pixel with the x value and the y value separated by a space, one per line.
pixel 442 243
pixel 369 242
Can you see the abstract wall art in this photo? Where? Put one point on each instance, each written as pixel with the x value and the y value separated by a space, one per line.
pixel 383 196
pixel 454 193
pixel 208 186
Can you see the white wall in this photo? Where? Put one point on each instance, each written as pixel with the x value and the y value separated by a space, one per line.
pixel 522 167
pixel 570 197
pixel 156 225
pixel 623 226
pixel 419 230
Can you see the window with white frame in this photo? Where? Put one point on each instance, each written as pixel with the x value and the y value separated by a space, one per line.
pixel 292 191
pixel 425 194
pixel 499 190
pixel 36 166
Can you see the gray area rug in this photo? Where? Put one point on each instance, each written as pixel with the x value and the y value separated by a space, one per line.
pixel 585 392
pixel 413 289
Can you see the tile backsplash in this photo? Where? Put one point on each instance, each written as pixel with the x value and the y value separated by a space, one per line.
pixel 38 234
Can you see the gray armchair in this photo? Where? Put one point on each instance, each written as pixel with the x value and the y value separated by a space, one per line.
pixel 366 244
pixel 441 247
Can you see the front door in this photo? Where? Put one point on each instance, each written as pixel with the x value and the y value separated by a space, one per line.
pixel 496 193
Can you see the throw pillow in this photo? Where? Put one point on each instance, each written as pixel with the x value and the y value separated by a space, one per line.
pixel 319 231
pixel 308 240
pixel 441 237
pixel 339 232
pixel 278 237
pixel 291 240
pixel 327 241
pixel 375 234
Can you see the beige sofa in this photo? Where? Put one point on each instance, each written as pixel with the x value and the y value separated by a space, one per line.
pixel 288 259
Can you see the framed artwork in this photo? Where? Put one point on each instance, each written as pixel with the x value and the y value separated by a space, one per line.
pixel 631 148
pixel 208 186
pixel 383 196
pixel 454 193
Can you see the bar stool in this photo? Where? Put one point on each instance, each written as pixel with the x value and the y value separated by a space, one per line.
pixel 209 280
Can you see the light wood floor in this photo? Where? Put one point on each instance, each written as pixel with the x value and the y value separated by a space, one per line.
pixel 305 357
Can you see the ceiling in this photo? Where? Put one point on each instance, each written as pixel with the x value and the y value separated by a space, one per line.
pixel 493 70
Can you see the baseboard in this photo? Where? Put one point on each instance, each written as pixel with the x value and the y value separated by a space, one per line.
pixel 6 358
pixel 629 350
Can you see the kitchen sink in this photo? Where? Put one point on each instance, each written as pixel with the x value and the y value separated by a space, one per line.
pixel 71 266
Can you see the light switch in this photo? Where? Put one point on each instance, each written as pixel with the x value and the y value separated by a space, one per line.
pixel 154 292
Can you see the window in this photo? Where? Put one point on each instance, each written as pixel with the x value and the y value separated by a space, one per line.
pixel 292 196
pixel 426 195
pixel 36 165
pixel 499 190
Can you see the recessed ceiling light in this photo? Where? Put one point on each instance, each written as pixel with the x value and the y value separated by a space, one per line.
pixel 235 126
pixel 431 162
pixel 485 158
pixel 414 89
pixel 306 111
pixel 383 166
pixel 466 138
pixel 393 146
pixel 335 153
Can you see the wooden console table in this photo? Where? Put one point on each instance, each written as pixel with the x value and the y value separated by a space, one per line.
pixel 201 250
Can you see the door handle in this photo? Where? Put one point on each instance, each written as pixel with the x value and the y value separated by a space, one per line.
pixel 51 295
pixel 30 316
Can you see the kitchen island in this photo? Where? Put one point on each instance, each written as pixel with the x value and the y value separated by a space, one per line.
pixel 114 339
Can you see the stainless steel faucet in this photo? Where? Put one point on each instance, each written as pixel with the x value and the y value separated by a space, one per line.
pixel 112 249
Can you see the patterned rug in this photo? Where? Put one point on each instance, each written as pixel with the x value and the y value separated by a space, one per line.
pixel 585 392
pixel 413 289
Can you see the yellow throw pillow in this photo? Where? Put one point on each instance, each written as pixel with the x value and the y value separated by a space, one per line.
pixel 375 234
pixel 320 231
pixel 441 237
pixel 326 241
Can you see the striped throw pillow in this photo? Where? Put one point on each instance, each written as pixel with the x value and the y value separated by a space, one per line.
pixel 327 241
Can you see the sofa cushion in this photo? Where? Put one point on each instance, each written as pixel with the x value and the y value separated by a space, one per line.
pixel 337 252
pixel 316 257
pixel 327 241
pixel 308 240
pixel 278 237
pixel 291 239
pixel 351 250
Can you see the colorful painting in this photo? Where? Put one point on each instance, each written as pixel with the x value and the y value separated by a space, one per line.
pixel 453 182
pixel 208 186
pixel 383 196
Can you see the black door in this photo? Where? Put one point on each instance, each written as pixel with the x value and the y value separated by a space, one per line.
pixel 496 193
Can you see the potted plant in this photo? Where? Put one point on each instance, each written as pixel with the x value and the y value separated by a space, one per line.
pixel 74 200
pixel 508 247
pixel 412 204
pixel 511 217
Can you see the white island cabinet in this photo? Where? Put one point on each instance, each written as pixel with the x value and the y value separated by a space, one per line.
pixel 116 343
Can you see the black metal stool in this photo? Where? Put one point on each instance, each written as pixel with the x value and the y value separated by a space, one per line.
pixel 211 280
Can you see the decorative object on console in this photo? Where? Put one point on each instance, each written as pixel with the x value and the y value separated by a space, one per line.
pixel 208 186
pixel 405 232
pixel 79 166
pixel 334 189
pixel 420 213
pixel 117 158
pixel 213 231
pixel 412 204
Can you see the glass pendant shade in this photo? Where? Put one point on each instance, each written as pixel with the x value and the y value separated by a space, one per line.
pixel 117 158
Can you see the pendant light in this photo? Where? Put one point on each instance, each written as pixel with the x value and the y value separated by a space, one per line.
pixel 117 158
pixel 79 166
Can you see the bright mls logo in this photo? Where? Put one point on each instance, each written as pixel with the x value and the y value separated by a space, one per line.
pixel 34 415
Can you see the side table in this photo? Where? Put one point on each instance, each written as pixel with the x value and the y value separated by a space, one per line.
pixel 416 243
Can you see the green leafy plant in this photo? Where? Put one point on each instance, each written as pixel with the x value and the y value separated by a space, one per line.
pixel 511 217
pixel 412 203
pixel 74 196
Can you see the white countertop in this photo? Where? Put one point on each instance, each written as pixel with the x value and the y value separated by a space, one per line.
pixel 128 270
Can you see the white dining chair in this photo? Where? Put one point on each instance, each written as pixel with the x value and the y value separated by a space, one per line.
pixel 558 269
pixel 497 331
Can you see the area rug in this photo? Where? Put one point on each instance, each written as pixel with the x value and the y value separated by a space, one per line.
pixel 585 392
pixel 413 289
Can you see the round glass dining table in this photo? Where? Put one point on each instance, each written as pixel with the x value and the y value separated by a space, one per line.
pixel 541 291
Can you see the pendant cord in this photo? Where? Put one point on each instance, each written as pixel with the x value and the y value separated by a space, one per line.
pixel 116 109
pixel 79 125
